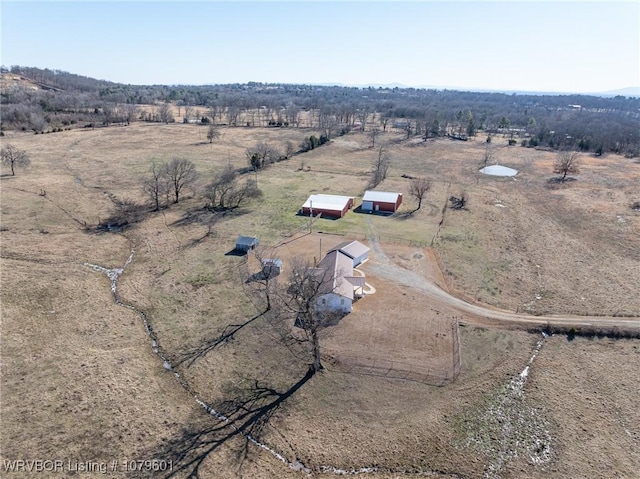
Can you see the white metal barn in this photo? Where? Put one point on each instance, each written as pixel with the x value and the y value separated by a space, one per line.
pixel 381 201
pixel 329 205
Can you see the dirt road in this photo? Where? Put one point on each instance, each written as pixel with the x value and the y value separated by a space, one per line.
pixel 384 267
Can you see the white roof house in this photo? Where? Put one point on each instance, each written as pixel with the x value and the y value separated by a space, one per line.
pixel 338 286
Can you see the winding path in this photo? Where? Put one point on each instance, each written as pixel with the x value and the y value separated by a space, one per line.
pixel 475 313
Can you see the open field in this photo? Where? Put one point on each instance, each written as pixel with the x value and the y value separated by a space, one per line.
pixel 81 381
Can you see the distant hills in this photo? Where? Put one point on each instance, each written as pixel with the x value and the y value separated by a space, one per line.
pixel 633 91
pixel 629 91
pixel 44 100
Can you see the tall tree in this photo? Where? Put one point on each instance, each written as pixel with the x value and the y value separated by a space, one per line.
pixel 363 114
pixel 306 286
pixel 213 133
pixel 380 167
pixel 188 113
pixel 182 174
pixel 373 134
pixel 261 154
pixel 227 192
pixel 14 157
pixel 156 184
pixel 567 163
pixel 418 189
pixel 164 113
pixel 488 153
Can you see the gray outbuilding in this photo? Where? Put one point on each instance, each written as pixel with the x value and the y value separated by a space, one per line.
pixel 246 243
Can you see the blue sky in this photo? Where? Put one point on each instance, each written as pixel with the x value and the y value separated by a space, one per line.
pixel 534 46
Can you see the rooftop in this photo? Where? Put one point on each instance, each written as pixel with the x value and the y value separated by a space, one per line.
pixel 352 249
pixel 327 202
pixel 382 196
pixel 332 270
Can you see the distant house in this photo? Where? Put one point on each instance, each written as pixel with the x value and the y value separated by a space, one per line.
pixel 329 205
pixel 338 286
pixel 401 124
pixel 271 267
pixel 381 201
pixel 246 243
pixel 354 250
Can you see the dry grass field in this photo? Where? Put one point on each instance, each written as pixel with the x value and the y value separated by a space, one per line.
pixel 81 381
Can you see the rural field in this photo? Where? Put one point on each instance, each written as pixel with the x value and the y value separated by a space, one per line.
pixel 126 365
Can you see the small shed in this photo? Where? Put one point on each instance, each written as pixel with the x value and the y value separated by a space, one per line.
pixel 246 243
pixel 271 267
pixel 354 250
pixel 329 205
pixel 381 201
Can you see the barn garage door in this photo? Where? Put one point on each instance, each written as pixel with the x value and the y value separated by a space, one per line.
pixel 367 205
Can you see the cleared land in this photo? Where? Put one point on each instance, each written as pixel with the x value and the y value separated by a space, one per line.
pixel 80 379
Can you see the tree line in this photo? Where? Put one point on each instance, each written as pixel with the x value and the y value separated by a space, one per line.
pixel 580 122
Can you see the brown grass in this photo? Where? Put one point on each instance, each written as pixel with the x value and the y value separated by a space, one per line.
pixel 80 380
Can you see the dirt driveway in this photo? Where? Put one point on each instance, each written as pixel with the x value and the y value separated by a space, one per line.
pixel 384 267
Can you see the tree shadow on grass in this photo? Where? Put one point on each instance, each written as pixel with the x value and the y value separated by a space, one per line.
pixel 226 335
pixel 405 215
pixel 243 416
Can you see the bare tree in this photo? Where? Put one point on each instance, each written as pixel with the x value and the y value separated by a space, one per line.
pixel 14 157
pixel 380 167
pixel 108 113
pixel 233 112
pixel 488 155
pixel 130 112
pixel 213 133
pixel 363 114
pixel 373 134
pixel 567 163
pixel 293 114
pixel 385 121
pixel 245 191
pixel 418 189
pixel 305 289
pixel 213 111
pixel 227 192
pixel 217 192
pixel 182 174
pixel 127 211
pixel 156 184
pixel 188 113
pixel 164 113
pixel 261 154
pixel 327 121
pixel 408 128
pixel 289 149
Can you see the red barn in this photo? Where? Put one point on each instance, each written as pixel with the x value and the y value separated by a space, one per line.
pixel 328 205
pixel 381 201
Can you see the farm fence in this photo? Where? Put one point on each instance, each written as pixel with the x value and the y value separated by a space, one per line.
pixel 390 368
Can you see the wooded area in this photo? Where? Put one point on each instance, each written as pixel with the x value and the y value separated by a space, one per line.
pixel 580 122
